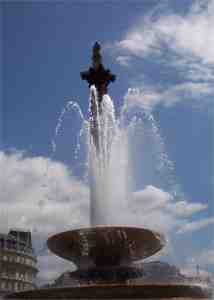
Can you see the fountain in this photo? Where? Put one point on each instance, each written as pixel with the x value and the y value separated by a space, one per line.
pixel 106 255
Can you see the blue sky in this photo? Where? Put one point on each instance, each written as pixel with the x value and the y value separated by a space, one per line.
pixel 162 53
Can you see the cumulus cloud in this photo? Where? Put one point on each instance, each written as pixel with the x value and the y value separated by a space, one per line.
pixel 156 209
pixel 189 43
pixel 151 198
pixel 190 34
pixel 149 208
pixel 185 209
pixel 196 225
pixel 41 195
pixel 148 97
pixel 141 97
pixel 123 60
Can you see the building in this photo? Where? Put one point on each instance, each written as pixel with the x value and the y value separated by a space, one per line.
pixel 17 262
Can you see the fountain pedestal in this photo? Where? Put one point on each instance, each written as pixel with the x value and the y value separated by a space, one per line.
pixel 106 253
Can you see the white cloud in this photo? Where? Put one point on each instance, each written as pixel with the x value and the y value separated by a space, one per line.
pixel 185 209
pixel 188 41
pixel 156 209
pixel 123 60
pixel 196 225
pixel 148 97
pixel 151 198
pixel 141 97
pixel 41 195
pixel 189 35
pixel 149 210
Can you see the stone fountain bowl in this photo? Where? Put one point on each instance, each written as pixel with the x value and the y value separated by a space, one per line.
pixel 102 246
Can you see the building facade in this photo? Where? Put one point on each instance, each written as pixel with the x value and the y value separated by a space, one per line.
pixel 17 262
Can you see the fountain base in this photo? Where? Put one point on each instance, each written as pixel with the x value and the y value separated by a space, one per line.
pixel 105 257
pixel 119 291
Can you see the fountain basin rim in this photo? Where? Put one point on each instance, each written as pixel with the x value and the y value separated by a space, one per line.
pixel 109 227
pixel 85 246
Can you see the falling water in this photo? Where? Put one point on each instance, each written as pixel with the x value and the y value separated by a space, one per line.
pixel 114 160
pixel 70 106
pixel 122 155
